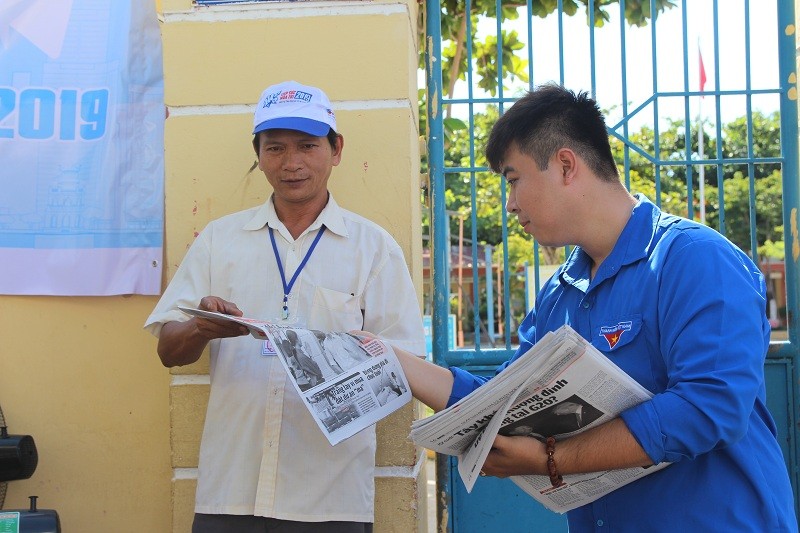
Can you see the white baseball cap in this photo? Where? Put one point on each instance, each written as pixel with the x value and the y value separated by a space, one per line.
pixel 293 106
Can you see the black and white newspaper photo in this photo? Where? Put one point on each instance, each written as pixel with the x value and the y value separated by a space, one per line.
pixel 386 383
pixel 347 383
pixel 568 416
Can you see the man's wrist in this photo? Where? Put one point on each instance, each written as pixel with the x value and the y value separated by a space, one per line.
pixel 556 479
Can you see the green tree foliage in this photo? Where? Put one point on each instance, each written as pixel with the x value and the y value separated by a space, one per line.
pixel 641 178
pixel 456 31
pixel 672 179
pixel 768 212
pixel 457 27
pixel 766 142
pixel 487 202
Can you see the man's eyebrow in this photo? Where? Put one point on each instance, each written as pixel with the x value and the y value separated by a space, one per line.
pixel 505 170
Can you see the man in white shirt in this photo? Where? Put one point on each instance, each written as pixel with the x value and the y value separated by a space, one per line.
pixel 299 259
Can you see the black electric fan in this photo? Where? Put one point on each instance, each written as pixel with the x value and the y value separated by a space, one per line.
pixel 18 460
pixel 18 456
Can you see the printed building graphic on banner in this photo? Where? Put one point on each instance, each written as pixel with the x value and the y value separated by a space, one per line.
pixel 81 137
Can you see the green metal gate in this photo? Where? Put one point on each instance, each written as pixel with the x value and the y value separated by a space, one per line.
pixel 712 84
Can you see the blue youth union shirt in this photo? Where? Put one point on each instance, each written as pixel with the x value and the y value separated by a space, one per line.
pixel 682 311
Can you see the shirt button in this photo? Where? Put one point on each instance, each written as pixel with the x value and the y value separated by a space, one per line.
pixel 600 523
pixel 586 305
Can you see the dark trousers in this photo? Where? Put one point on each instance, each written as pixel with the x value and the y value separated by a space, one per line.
pixel 226 523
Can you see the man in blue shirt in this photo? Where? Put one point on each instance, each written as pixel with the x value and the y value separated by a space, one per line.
pixel 672 302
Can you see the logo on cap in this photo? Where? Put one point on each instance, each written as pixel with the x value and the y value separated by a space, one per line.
pixel 286 96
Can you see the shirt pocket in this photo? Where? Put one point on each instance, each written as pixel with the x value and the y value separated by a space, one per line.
pixel 335 311
pixel 612 335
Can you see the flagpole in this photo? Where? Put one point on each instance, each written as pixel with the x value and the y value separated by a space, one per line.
pixel 701 151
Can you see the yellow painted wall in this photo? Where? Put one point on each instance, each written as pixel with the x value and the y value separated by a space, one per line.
pixel 117 433
pixel 79 376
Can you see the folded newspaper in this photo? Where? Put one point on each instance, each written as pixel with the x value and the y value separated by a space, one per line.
pixel 560 387
pixel 346 382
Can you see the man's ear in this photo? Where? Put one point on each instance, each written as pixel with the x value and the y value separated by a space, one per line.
pixel 568 162
pixel 257 148
pixel 337 151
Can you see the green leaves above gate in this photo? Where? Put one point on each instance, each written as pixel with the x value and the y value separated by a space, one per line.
pixel 485 55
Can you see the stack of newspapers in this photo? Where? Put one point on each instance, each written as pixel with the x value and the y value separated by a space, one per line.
pixel 562 386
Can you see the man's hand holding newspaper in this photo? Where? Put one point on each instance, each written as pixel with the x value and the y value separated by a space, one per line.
pixel 560 387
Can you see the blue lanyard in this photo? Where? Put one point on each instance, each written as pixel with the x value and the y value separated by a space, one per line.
pixel 287 288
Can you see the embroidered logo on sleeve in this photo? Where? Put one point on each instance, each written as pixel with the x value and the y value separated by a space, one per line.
pixel 613 334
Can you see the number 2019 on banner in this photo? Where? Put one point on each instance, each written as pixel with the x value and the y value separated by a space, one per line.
pixel 37 113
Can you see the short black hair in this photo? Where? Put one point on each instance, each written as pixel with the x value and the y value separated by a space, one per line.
pixel 332 137
pixel 548 118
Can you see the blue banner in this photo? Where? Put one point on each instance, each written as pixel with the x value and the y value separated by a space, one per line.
pixel 81 147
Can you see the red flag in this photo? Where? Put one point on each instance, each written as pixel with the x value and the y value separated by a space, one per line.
pixel 702 72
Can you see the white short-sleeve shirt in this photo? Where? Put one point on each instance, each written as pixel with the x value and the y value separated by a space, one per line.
pixel 262 453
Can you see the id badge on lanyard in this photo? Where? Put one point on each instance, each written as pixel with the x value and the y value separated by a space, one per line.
pixel 296 321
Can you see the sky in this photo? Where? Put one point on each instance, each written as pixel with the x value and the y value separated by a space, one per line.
pixel 671 75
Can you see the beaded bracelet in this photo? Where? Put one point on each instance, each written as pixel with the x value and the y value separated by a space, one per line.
pixel 555 478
